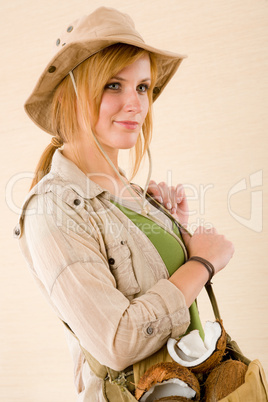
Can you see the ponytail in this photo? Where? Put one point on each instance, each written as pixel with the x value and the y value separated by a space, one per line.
pixel 44 165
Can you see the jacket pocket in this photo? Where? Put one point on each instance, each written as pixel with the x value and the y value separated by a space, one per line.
pixel 120 262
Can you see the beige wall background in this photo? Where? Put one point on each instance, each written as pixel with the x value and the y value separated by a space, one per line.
pixel 210 134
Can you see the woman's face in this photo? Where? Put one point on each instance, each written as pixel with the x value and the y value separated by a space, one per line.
pixel 124 106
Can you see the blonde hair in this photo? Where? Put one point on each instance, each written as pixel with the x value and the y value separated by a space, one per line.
pixel 91 76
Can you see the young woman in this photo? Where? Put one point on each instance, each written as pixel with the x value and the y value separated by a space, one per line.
pixel 120 273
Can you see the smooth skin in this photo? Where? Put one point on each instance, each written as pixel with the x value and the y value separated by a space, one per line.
pixel 123 109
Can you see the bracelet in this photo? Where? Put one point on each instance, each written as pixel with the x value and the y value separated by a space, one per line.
pixel 207 265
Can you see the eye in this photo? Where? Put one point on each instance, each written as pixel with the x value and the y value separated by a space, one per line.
pixel 114 86
pixel 143 87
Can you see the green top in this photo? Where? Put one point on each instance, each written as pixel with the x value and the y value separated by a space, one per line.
pixel 169 249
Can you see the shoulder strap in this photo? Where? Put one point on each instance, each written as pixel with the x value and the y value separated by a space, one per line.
pixel 159 206
pixel 98 369
pixel 213 300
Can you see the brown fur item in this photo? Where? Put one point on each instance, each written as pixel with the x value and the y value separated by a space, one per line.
pixel 165 371
pixel 224 379
pixel 215 358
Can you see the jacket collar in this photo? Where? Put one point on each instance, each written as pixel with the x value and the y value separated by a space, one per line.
pixel 63 173
pixel 69 173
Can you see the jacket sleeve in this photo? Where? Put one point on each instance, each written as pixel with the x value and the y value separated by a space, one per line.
pixel 77 279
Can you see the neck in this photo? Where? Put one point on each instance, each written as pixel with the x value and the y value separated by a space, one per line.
pixel 90 159
pixel 95 166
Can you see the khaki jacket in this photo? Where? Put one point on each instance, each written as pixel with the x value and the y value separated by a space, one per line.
pixel 101 274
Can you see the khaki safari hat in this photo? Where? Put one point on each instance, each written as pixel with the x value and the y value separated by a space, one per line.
pixel 80 40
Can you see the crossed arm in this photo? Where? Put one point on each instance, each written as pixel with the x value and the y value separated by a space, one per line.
pixel 205 243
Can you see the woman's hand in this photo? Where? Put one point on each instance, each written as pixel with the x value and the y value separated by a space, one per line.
pixel 172 198
pixel 208 244
pixel 192 276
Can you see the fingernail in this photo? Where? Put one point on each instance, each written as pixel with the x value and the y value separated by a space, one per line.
pixel 173 210
pixel 169 206
pixel 159 199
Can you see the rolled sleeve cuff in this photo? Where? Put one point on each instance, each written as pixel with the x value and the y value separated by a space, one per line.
pixel 177 319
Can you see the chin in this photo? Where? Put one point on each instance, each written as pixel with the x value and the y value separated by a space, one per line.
pixel 127 146
pixel 127 143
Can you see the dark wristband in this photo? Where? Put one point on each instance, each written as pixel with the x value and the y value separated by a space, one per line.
pixel 206 264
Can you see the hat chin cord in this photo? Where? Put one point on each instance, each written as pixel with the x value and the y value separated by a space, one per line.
pixel 144 203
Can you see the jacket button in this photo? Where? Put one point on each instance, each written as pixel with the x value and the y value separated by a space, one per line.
pixel 17 232
pixel 70 28
pixel 111 261
pixel 149 330
pixel 77 201
pixel 52 69
pixel 58 42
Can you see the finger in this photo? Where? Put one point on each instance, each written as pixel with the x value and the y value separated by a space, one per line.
pixel 178 197
pixel 165 194
pixel 180 193
pixel 154 191
pixel 174 200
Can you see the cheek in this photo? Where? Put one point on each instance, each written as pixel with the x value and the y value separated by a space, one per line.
pixel 108 109
pixel 108 105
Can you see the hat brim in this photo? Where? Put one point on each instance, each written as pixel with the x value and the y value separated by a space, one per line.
pixel 38 105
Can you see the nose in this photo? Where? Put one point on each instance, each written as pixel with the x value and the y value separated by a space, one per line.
pixel 132 102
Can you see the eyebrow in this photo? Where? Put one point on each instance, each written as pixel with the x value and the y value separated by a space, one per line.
pixel 123 79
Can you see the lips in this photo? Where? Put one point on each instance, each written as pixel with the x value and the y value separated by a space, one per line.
pixel 128 124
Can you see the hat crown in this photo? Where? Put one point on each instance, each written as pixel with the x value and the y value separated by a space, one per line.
pixel 103 23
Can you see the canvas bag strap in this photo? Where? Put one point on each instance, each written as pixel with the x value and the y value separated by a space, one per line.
pixel 120 378
pixel 213 300
pixel 139 190
pixel 232 347
pixel 98 369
